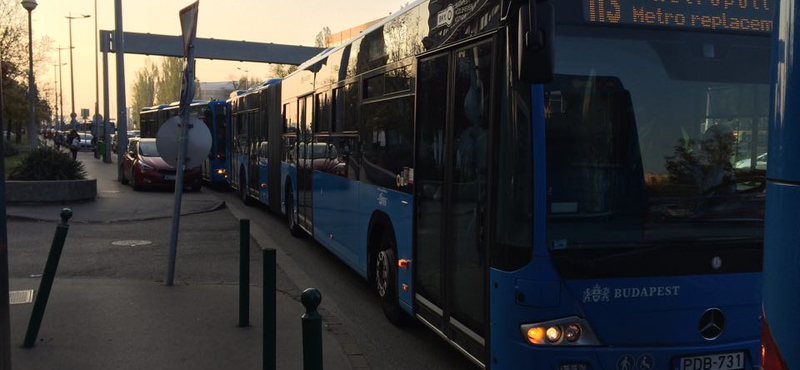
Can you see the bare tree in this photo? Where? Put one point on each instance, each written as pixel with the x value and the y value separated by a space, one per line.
pixel 282 70
pixel 322 37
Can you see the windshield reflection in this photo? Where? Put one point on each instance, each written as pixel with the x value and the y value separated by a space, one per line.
pixel 641 151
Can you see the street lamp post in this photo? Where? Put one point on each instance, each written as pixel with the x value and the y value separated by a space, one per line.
pixel 61 90
pixel 246 76
pixel 29 5
pixel 73 115
pixel 55 92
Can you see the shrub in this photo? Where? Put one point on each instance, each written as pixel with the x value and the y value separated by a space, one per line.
pixel 46 163
pixel 9 148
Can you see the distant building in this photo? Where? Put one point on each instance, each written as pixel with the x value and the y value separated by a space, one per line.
pixel 215 90
pixel 339 38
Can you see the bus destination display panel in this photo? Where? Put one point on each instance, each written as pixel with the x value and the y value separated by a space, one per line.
pixel 719 15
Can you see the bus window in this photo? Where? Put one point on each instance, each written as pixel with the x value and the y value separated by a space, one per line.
pixel 398 80
pixel 323 108
pixel 351 108
pixel 290 117
pixel 642 153
pixel 337 122
pixel 387 138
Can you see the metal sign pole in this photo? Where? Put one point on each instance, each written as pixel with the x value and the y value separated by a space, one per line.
pixel 188 17
pixel 122 117
pixel 5 315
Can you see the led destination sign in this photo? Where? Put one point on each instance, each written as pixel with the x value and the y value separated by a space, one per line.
pixel 720 15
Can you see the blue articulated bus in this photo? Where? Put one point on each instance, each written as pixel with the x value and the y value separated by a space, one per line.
pixel 216 115
pixel 781 328
pixel 571 185
pixel 251 171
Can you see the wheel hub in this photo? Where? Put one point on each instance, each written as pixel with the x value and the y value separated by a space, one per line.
pixel 381 274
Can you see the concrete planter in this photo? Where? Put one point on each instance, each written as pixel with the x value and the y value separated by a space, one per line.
pixel 50 191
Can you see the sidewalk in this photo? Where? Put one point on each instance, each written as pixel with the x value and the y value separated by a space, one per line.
pixel 112 204
pixel 126 319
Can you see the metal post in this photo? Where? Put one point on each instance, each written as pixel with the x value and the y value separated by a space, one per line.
pixel 72 115
pixel 188 17
pixel 55 85
pixel 47 278
pixel 244 273
pixel 181 167
pixel 312 330
pixel 60 91
pixel 96 120
pixel 122 119
pixel 5 315
pixel 106 128
pixel 269 310
pixel 32 131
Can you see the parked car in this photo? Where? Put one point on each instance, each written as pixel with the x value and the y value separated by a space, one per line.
pixel 86 140
pixel 132 134
pixel 143 167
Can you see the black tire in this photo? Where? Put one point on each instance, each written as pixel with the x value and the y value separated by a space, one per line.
pixel 134 183
pixel 294 228
pixel 243 190
pixel 386 281
pixel 196 187
pixel 124 181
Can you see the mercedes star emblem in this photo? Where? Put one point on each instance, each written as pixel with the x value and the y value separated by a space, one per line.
pixel 711 324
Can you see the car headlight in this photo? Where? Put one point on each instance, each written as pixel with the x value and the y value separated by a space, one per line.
pixel 569 331
pixel 145 167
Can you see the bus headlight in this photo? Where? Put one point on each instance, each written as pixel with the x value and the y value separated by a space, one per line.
pixel 553 334
pixel 570 331
pixel 221 171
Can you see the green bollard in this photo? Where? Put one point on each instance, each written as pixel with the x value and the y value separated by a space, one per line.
pixel 312 330
pixel 47 279
pixel 244 273
pixel 269 310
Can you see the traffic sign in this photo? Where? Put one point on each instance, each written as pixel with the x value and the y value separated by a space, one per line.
pixel 188 17
pixel 198 141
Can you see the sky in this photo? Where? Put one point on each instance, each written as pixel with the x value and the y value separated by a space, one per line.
pixel 280 22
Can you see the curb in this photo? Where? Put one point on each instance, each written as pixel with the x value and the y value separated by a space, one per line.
pixel 216 207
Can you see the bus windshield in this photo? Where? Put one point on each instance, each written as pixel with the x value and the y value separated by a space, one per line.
pixel 660 140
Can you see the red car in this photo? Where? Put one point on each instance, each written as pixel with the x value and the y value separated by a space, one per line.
pixel 143 167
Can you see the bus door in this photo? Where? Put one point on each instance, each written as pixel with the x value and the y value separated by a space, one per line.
pixel 305 170
pixel 254 173
pixel 451 192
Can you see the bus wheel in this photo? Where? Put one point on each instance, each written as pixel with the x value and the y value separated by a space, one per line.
pixel 386 282
pixel 243 191
pixel 294 229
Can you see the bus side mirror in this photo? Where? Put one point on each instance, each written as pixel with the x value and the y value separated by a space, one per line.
pixel 535 58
